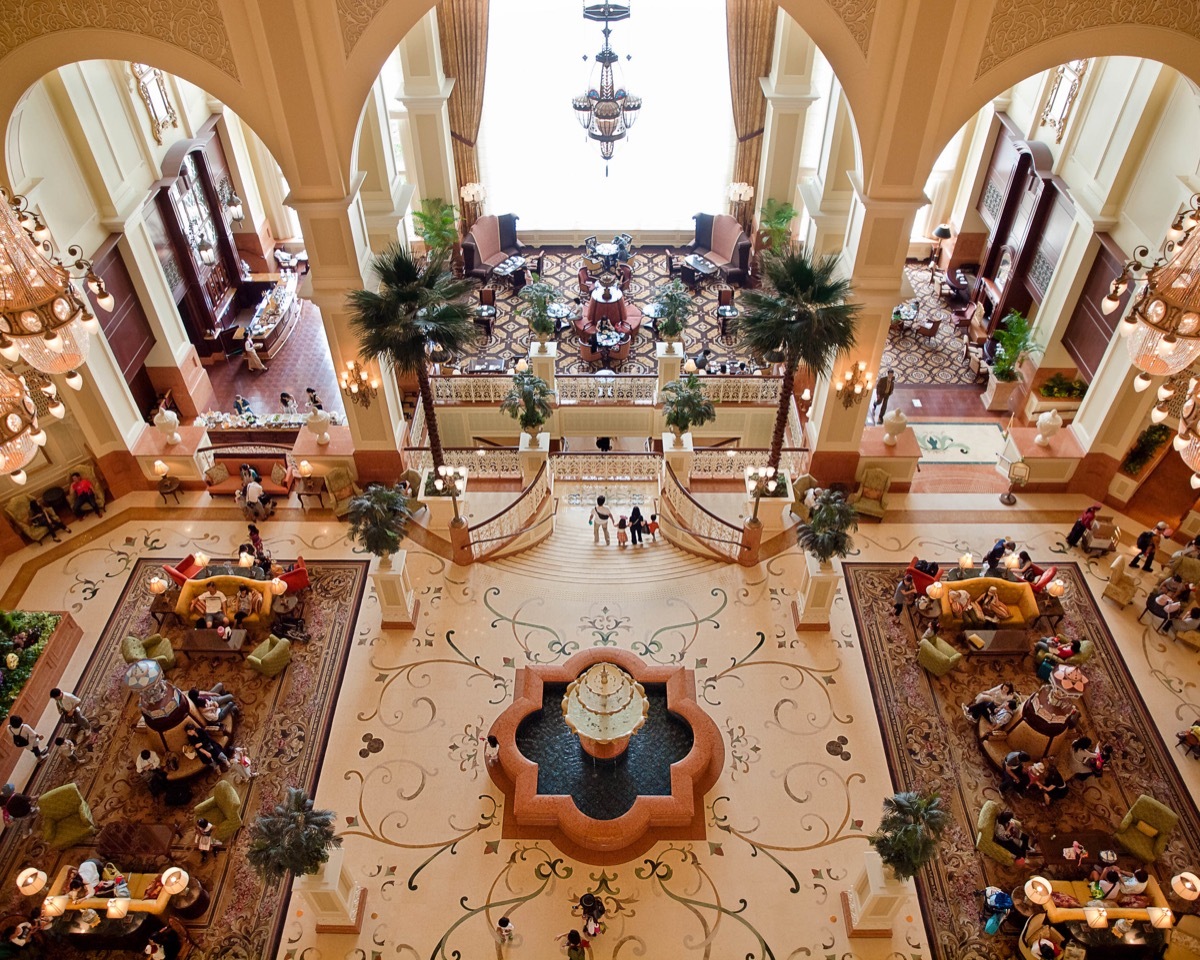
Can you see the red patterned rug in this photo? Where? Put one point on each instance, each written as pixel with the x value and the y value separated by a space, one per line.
pixel 931 746
pixel 284 726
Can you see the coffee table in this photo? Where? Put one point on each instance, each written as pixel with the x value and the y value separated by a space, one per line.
pixel 996 643
pixel 253 572
pixel 209 641
pixel 1143 940
pixel 164 606
pixel 129 843
pixel 1093 842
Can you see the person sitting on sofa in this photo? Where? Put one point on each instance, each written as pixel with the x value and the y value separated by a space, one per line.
pixel 1087 760
pixel 246 603
pixel 1189 622
pixel 966 609
pixel 1043 948
pixel 1008 834
pixel 1163 606
pixel 1026 569
pixel 985 703
pixel 1106 882
pixel 1014 771
pixel 992 607
pixel 85 495
pixel 205 748
pixel 209 607
pixel 39 517
pixel 212 705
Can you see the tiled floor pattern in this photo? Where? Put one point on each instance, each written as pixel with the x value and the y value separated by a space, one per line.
pixel 920 359
pixel 787 821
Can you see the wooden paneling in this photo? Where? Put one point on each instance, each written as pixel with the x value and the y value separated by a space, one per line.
pixel 126 328
pixel 1090 329
pixel 1000 166
pixel 1054 233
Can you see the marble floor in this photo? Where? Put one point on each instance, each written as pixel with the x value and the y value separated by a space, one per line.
pixel 804 773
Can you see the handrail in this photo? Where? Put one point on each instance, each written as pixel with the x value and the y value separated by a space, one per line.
pixel 515 503
pixel 513 536
pixel 698 505
pixel 701 536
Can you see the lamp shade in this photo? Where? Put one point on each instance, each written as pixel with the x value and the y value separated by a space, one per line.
pixel 143 674
pixel 201 558
pixel 935 590
pixel 161 469
pixel 31 880
pixel 278 587
pixel 118 907
pixel 55 906
pixel 1186 886
pixel 157 585
pixel 1012 561
pixel 245 559
pixel 1096 916
pixel 175 880
pixel 966 561
pixel 1161 917
pixel 942 231
pixel 1056 588
pixel 1037 889
pixel 306 469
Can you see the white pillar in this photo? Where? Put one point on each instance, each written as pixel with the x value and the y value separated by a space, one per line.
pixel 424 93
pixel 398 604
pixel 871 906
pixel 338 901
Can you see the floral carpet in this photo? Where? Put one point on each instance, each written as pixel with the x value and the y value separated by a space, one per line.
pixel 284 725
pixel 927 360
pixel 930 746
pixel 561 268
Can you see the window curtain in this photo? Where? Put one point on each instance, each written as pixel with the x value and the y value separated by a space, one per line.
pixel 751 39
pixel 463 29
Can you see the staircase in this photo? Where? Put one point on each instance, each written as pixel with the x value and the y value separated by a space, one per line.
pixel 570 556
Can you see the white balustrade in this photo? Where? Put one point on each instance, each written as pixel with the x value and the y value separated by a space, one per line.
pixel 512 521
pixel 635 390
pixel 470 389
pixel 417 435
pixel 710 531
pixel 731 463
pixel 741 389
pixel 480 462
pixel 606 466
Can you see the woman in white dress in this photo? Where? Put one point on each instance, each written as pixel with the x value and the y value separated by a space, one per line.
pixel 252 360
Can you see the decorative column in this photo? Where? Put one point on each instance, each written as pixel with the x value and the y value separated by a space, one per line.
pixel 338 901
pixel 679 454
pixel 669 357
pixel 335 235
pixel 534 453
pixel 871 906
pixel 827 197
pixel 815 594
pixel 385 194
pixel 398 605
pixel 424 93
pixel 542 361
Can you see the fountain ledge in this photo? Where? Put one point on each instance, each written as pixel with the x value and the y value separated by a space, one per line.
pixel 679 816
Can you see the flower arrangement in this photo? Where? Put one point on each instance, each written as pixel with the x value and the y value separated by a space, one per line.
pixel 23 637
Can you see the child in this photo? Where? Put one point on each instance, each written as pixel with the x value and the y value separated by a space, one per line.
pixel 204 840
pixel 504 930
pixel 491 749
pixel 622 531
pixel 240 770
pixel 67 746
pixel 652 527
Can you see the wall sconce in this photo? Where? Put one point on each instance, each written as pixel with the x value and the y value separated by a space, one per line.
pixel 357 386
pixel 855 384
pixel 234 205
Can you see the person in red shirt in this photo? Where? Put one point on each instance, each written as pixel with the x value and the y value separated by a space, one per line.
pixel 85 495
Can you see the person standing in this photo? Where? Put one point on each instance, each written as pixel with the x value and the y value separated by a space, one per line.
pixel 241 406
pixel 637 526
pixel 905 595
pixel 253 362
pixel 1147 544
pixel 884 389
pixel 69 708
pixel 1083 524
pixel 622 531
pixel 600 518
pixel 505 930
pixel 25 737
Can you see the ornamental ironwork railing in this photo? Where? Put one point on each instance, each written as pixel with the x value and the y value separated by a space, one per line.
pixel 624 390
pixel 717 535
pixel 606 466
pixel 479 461
pixel 502 530
pixel 741 389
pixel 417 434
pixel 472 389
pixel 730 463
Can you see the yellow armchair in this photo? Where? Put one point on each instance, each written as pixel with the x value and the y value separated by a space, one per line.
pixel 870 499
pixel 1121 586
pixel 342 489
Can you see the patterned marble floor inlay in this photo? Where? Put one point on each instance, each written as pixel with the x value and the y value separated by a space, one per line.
pixel 959 442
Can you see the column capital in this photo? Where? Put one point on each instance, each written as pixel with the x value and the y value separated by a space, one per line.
pixel 785 96
pixel 318 201
pixel 425 97
pixel 903 200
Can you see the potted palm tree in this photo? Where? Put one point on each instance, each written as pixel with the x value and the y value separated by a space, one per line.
pixel 826 535
pixel 419 307
pixel 294 838
pixel 437 225
pixel 379 520
pixel 536 298
pixel 1014 344
pixel 674 302
pixel 775 225
pixel 685 406
pixel 802 313
pixel 528 402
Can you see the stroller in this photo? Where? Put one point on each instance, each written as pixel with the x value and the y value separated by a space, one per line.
pixel 997 905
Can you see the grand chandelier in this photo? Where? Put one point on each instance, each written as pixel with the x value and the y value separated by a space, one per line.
pixel 607 110
pixel 20 435
pixel 1162 329
pixel 44 319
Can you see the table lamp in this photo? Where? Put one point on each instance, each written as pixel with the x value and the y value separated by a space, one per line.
pixel 1038 890
pixel 1012 561
pixel 1097 916
pixel 1056 588
pixel 279 587
pixel 118 907
pixel 157 585
pixel 31 880
pixel 1186 886
pixel 245 559
pixel 690 366
pixel 306 469
pixel 966 561
pixel 161 469
pixel 1161 917
pixel 55 906
pixel 201 558
pixel 522 365
pixel 935 590
pixel 175 880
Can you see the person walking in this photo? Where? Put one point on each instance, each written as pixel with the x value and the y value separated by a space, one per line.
pixel 253 362
pixel 1147 544
pixel 25 737
pixel 505 930
pixel 1083 524
pixel 599 520
pixel 69 708
pixel 884 389
pixel 637 527
pixel 622 532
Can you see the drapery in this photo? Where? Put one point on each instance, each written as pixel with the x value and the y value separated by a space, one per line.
pixel 463 29
pixel 751 38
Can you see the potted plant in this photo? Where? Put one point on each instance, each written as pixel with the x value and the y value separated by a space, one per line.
pixel 379 520
pixel 293 838
pixel 685 406
pixel 1057 392
pixel 909 830
pixel 528 402
pixel 437 224
pixel 775 224
pixel 805 314
pixel 1014 343
pixel 675 303
pixel 827 533
pixel 536 298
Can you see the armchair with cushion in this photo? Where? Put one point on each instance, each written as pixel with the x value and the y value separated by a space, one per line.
pixel 87 472
pixel 1036 928
pixel 17 510
pixel 223 809
pixel 1044 577
pixel 342 489
pixel 154 647
pixel 413 479
pixel 66 817
pixel 721 241
pixel 271 656
pixel 490 241
pixel 985 835
pixel 937 656
pixel 1086 651
pixel 921 580
pixel 870 499
pixel 188 568
pixel 586 283
pixel 1183 942
pixel 1146 828
pixel 1121 586
pixel 800 487
pixel 296 578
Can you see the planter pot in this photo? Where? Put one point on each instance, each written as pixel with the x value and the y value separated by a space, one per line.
pixel 814 595
pixel 337 900
pixel 441 509
pixel 774 513
pixel 398 604
pixel 1036 404
pixel 999 393
pixel 871 906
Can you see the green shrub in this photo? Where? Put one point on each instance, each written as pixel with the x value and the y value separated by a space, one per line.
pixel 1059 387
pixel 1144 448
pixel 12 681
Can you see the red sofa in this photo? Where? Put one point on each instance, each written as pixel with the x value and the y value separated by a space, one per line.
pixel 265 466
pixel 921 580
pixel 188 568
pixel 722 242
pixel 296 578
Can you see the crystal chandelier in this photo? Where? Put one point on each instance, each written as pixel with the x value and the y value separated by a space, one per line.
pixel 607 110
pixel 1187 437
pixel 44 319
pixel 20 435
pixel 1162 329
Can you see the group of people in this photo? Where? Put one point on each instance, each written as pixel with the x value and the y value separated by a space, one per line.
pixel 83 494
pixel 1169 603
pixel 287 403
pixel 633 527
pixel 212 608
pixel 70 711
pixel 1043 780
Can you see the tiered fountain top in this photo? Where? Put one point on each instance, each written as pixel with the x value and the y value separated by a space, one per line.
pixel 605 704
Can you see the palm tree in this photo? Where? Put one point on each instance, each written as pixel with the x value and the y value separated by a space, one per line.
pixel 908 832
pixel 827 533
pixel 379 519
pixel 292 838
pixel 419 305
pixel 805 315
pixel 528 401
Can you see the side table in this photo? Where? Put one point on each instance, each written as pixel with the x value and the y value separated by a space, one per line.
pixel 168 487
pixel 312 487
pixel 1050 609
pixel 164 606
pixel 192 902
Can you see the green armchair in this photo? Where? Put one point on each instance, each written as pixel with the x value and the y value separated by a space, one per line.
pixel 1183 942
pixel 271 656
pixel 66 817
pixel 937 656
pixel 154 647
pixel 223 809
pixel 342 489
pixel 985 835
pixel 870 499
pixel 800 487
pixel 1146 828
pixel 1086 650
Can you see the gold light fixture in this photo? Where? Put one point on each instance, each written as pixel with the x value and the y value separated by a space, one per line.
pixel 606 110
pixel 19 431
pixel 358 386
pixel 1187 436
pixel 451 481
pixel 1162 330
pixel 761 482
pixel 854 385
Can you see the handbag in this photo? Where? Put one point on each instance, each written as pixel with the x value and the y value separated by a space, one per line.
pixel 110 871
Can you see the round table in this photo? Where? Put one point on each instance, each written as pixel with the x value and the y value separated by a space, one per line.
pixel 614 293
pixel 558 311
pixel 609 339
pixel 607 249
pixel 168 487
pixel 54 497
